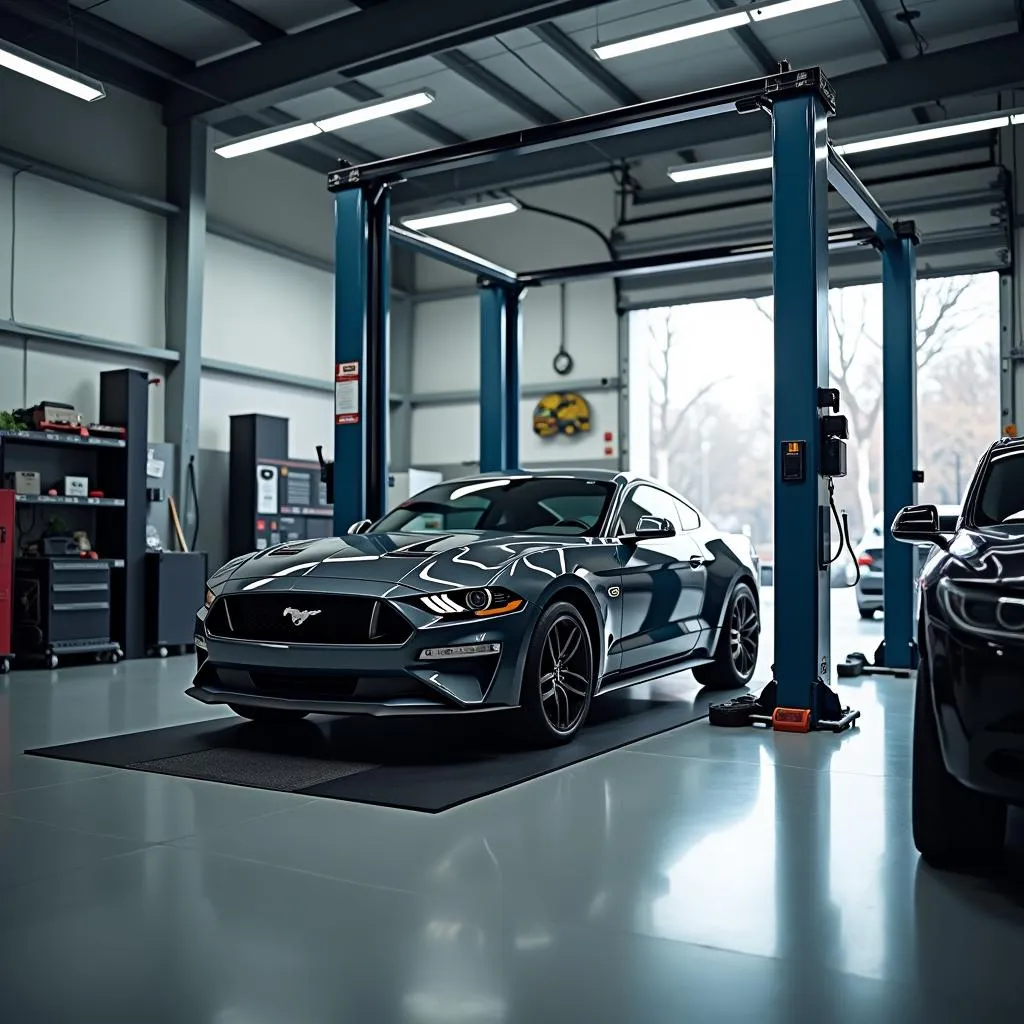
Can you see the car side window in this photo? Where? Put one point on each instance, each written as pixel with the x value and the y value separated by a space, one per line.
pixel 646 501
pixel 688 518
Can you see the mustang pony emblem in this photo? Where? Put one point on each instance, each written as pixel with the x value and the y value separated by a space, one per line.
pixel 299 615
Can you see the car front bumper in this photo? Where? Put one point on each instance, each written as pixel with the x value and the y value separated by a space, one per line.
pixel 371 679
pixel 978 689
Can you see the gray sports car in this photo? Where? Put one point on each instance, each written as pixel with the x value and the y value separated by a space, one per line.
pixel 528 591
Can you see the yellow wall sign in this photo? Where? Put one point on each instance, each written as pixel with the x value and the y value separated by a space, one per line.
pixel 561 412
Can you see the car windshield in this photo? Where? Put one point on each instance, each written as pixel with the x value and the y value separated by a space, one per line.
pixel 1001 496
pixel 562 506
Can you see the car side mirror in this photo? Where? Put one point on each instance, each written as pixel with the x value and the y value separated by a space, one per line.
pixel 650 528
pixel 917 524
pixel 361 527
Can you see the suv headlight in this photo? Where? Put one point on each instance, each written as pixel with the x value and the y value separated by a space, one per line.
pixel 477 603
pixel 982 610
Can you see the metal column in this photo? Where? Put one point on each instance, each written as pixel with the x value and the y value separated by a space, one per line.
pixel 899 445
pixel 800 272
pixel 500 345
pixel 361 326
pixel 186 255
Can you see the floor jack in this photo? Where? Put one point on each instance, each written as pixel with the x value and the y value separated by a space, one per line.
pixel 763 711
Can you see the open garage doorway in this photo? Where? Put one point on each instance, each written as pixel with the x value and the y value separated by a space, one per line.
pixel 701 407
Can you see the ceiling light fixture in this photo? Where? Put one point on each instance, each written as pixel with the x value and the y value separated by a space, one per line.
pixel 57 76
pixel 461 216
pixel 707 26
pixel 307 129
pixel 945 130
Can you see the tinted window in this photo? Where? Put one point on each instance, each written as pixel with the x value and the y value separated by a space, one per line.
pixel 1002 490
pixel 687 516
pixel 561 506
pixel 646 501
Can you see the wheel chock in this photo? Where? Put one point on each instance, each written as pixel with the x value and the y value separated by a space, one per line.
pixel 735 713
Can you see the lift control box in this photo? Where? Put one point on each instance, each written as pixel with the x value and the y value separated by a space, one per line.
pixel 794 462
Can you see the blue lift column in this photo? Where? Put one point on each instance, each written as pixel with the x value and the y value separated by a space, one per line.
pixel 361 341
pixel 800 271
pixel 500 347
pixel 899 442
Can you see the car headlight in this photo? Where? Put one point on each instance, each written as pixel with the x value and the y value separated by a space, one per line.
pixel 209 597
pixel 982 610
pixel 480 602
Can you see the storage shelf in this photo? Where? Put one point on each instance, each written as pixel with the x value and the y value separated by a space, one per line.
pixel 57 437
pixel 61 499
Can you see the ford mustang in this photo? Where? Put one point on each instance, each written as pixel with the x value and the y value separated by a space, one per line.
pixel 531 593
pixel 968 754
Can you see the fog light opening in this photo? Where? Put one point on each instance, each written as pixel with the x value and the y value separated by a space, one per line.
pixel 460 651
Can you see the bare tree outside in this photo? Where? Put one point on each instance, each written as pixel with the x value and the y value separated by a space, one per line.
pixel 711 399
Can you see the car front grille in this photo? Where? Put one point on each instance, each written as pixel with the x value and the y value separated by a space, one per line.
pixel 295 618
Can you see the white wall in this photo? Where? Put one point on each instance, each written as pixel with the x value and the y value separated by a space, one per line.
pixel 446 335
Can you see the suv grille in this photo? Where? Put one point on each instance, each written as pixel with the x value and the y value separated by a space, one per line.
pixel 335 619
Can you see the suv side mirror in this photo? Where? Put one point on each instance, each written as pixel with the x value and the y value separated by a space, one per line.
pixel 918 524
pixel 650 528
pixel 361 527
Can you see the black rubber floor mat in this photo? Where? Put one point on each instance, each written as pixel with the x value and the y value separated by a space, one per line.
pixel 422 764
pixel 284 773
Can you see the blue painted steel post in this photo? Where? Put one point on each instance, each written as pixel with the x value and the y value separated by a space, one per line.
pixel 800 272
pixel 361 288
pixel 493 378
pixel 513 355
pixel 899 442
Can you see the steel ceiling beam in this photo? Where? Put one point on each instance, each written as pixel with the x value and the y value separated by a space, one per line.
pixel 256 28
pixel 982 67
pixel 747 38
pixel 497 88
pixel 426 126
pixel 585 63
pixel 381 37
pixel 885 41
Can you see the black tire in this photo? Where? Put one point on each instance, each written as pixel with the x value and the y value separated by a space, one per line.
pixel 866 613
pixel 735 655
pixel 955 828
pixel 558 678
pixel 255 714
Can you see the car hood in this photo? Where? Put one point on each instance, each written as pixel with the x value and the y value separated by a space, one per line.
pixel 992 552
pixel 429 563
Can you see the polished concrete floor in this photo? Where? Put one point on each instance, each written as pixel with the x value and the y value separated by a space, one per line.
pixel 702 875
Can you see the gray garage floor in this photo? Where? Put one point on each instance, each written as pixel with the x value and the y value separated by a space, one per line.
pixel 703 875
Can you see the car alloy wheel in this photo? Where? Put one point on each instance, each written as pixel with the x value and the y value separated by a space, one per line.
pixel 565 674
pixel 743 630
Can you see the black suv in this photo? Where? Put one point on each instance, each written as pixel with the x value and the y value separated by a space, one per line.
pixel 968 760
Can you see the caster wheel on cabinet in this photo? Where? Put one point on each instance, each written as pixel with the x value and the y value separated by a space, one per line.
pixel 5 666
pixel 52 661
pixel 161 652
pixel 115 657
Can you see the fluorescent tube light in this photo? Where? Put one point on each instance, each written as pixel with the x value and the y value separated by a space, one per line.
pixel 307 129
pixel 939 131
pixel 784 7
pixel 29 64
pixel 701 172
pixel 693 30
pixel 436 220
pixel 267 140
pixel 383 108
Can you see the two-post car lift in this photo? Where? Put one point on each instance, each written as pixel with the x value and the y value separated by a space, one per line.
pixel 799 104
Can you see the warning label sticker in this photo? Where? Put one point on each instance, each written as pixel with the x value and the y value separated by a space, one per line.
pixel 346 393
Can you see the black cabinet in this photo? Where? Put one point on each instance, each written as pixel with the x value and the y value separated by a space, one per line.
pixel 175 589
pixel 62 606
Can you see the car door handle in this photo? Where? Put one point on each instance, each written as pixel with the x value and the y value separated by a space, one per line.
pixel 696 561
